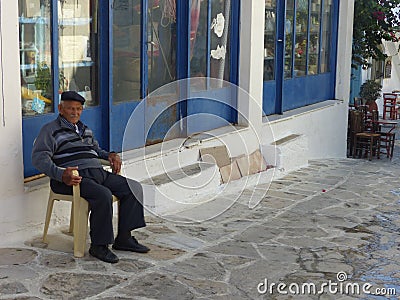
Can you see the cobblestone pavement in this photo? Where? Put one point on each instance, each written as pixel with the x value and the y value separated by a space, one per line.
pixel 334 219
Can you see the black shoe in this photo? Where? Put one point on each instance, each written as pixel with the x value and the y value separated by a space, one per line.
pixel 103 253
pixel 130 245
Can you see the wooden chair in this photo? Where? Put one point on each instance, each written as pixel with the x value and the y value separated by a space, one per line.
pixel 390 106
pixel 388 136
pixel 79 217
pixel 357 102
pixel 363 141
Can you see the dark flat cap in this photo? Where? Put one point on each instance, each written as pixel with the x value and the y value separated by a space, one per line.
pixel 72 96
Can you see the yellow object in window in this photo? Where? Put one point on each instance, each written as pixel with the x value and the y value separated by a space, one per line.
pixel 30 95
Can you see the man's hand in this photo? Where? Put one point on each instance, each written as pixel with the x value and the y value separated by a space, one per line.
pixel 69 178
pixel 115 162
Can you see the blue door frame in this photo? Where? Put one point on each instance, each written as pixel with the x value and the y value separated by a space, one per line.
pixel 281 94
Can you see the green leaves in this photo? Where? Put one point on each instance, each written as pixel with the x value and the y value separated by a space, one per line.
pixel 370 90
pixel 374 21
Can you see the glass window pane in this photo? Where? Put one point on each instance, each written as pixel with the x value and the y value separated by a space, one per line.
pixel 198 41
pixel 126 50
pixel 35 57
pixel 269 40
pixel 289 38
pixel 161 40
pixel 219 40
pixel 326 35
pixel 313 47
pixel 301 42
pixel 78 48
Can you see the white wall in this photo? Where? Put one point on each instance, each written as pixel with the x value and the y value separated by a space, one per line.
pixel 392 83
pixel 15 206
pixel 321 124
pixel 251 63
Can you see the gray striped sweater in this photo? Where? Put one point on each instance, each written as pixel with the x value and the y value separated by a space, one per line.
pixel 59 146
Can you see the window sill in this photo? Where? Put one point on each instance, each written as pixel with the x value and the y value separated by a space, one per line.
pixel 290 114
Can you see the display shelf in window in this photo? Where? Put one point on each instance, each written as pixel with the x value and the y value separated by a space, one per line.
pixel 74 21
pixel 87 63
pixel 33 20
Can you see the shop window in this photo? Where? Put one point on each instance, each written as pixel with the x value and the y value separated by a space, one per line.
pixel 326 36
pixel 210 32
pixel 377 69
pixel 289 34
pixel 269 40
pixel 77 53
pixel 77 40
pixel 126 50
pixel 162 43
pixel 313 45
pixel 308 36
pixel 35 57
pixel 301 39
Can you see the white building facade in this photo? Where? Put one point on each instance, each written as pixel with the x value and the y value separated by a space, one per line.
pixel 291 61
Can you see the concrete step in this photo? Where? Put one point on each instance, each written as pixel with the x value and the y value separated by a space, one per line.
pixel 288 153
pixel 181 188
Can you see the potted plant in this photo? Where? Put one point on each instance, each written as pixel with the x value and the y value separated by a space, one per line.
pixel 370 91
pixel 43 80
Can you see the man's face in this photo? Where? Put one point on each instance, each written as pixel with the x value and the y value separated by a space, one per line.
pixel 71 110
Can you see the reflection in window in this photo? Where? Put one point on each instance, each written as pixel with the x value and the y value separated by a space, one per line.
pixel 77 48
pixel 162 43
pixel 126 50
pixel 301 41
pixel 199 41
pixel 219 40
pixel 313 46
pixel 289 23
pixel 269 40
pixel 35 57
pixel 308 28
pixel 326 35
pixel 209 40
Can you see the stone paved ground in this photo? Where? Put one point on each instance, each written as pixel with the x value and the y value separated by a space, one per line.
pixel 332 219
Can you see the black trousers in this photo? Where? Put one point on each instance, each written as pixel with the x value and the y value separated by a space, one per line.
pixel 97 187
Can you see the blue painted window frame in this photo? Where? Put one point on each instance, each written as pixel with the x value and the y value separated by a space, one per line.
pixel 100 118
pixel 281 94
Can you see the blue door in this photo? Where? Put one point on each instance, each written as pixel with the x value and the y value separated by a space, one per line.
pixel 153 51
pixel 144 63
pixel 355 84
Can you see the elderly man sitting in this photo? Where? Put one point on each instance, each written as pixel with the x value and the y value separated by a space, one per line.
pixel 66 144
